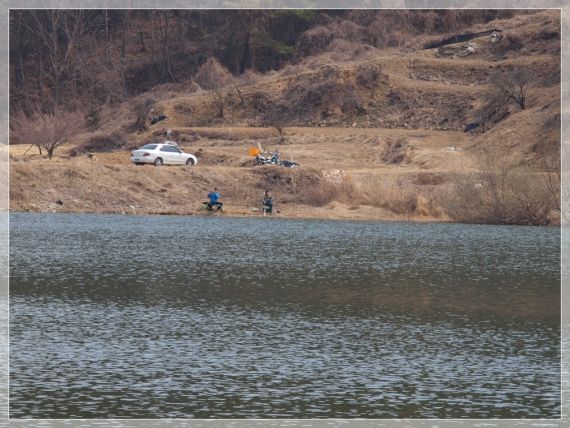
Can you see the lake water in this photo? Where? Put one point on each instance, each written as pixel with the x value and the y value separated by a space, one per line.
pixel 216 317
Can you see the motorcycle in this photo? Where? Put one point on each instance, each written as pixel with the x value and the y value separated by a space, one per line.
pixel 273 159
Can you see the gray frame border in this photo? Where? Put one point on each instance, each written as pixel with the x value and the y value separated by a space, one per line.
pixel 5 5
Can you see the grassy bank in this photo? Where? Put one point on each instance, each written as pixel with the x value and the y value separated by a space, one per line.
pixel 347 174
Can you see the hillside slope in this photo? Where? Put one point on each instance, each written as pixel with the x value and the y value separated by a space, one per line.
pixel 378 134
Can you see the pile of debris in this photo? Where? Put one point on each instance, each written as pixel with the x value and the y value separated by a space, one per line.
pixel 458 51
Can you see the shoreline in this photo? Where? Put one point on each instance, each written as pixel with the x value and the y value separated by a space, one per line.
pixel 281 217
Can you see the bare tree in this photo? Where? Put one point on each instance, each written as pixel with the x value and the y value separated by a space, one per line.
pixel 280 129
pixel 165 25
pixel 513 85
pixel 492 111
pixel 238 92
pixel 47 131
pixel 141 109
pixel 219 102
pixel 62 54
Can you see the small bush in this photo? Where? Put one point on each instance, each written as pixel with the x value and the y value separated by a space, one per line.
pixel 260 101
pixel 368 75
pixel 249 77
pixel 351 103
pixel 350 31
pixel 141 107
pixel 315 40
pixel 394 97
pixel 403 201
pixel 212 75
pixel 394 197
pixel 101 143
pixel 549 35
pixel 396 152
pixel 503 193
pixel 513 85
pixel 427 179
pixel 507 44
pixel 183 109
pixel 191 86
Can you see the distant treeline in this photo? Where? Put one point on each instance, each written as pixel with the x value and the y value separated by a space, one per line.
pixel 65 59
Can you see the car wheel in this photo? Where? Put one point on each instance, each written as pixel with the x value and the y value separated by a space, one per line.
pixel 158 162
pixel 190 162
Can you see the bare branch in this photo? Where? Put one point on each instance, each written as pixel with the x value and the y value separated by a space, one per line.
pixel 46 131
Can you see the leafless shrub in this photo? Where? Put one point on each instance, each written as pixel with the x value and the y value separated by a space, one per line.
pixel 368 75
pixel 141 107
pixel 349 30
pixel 303 94
pixel 508 43
pixel 212 75
pixel 350 102
pixel 395 197
pixel 345 50
pixel 502 193
pixel 361 51
pixel 396 152
pixel 183 109
pixel 402 201
pixel 93 118
pixel 548 151
pixel 492 111
pixel 401 29
pixel 315 40
pixel 429 179
pixel 280 129
pixel 217 96
pixel 191 86
pixel 259 100
pixel 102 143
pixel 165 88
pixel 292 70
pixel 394 97
pixel 325 192
pixel 549 35
pixel 46 131
pixel 513 85
pixel 249 77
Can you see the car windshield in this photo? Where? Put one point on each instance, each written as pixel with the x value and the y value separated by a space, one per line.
pixel 148 147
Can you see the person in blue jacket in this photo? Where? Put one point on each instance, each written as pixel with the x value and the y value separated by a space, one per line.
pixel 267 202
pixel 214 200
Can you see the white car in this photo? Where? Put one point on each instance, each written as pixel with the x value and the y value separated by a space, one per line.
pixel 162 154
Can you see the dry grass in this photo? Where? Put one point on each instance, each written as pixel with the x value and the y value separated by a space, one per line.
pixel 396 151
pixel 212 75
pixel 101 142
pixel 505 193
pixel 372 113
pixel 429 179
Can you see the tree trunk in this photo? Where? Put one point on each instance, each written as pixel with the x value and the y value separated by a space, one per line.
pixel 245 55
pixel 124 51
